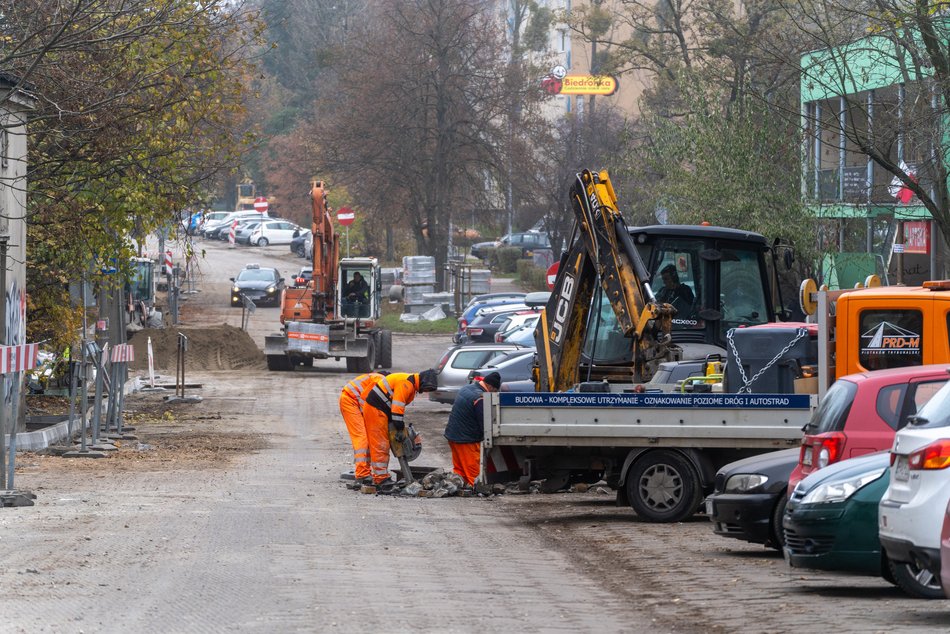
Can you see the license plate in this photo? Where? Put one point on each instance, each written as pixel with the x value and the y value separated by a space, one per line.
pixel 710 508
pixel 901 469
pixel 806 459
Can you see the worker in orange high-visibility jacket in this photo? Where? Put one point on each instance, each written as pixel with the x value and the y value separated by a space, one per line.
pixel 351 407
pixel 384 403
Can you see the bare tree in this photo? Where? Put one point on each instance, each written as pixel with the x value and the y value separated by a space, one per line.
pixel 418 112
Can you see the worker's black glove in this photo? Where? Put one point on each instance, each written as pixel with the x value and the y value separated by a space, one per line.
pixel 400 434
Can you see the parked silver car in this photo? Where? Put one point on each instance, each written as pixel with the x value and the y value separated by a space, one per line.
pixel 458 361
pixel 516 365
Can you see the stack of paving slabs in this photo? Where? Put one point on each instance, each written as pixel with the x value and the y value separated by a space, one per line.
pixel 418 279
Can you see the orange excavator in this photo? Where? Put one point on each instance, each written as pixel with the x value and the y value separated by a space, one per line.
pixel 335 314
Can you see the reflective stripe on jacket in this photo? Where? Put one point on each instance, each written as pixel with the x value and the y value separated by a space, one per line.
pixel 355 388
pixel 392 394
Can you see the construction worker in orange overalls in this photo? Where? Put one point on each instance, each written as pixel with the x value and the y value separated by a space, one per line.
pixel 466 428
pixel 351 407
pixel 385 403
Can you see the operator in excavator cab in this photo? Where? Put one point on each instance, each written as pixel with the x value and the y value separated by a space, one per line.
pixel 385 403
pixel 675 293
pixel 356 296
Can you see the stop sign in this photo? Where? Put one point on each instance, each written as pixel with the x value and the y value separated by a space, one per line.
pixel 346 216
pixel 260 204
pixel 552 275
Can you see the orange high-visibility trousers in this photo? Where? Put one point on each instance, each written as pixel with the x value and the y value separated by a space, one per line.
pixel 353 417
pixel 377 429
pixel 466 460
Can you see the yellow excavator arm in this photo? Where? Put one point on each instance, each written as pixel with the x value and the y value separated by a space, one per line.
pixel 600 249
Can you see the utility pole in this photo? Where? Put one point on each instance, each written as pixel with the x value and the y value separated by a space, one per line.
pixel 3 341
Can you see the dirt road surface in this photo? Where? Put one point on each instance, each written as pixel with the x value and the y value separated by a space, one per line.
pixel 228 515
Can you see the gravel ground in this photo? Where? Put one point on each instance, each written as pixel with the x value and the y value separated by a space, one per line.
pixel 228 515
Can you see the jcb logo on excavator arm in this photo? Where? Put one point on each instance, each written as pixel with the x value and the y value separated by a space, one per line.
pixel 564 301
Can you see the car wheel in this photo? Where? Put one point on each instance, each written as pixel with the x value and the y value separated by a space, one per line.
pixel 262 242
pixel 662 487
pixel 917 582
pixel 776 532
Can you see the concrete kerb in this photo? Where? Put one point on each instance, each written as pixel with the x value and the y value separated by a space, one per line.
pixel 57 433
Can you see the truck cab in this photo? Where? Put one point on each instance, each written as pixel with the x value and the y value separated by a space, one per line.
pixel 140 290
pixel 358 288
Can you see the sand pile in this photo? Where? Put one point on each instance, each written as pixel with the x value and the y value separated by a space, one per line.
pixel 209 348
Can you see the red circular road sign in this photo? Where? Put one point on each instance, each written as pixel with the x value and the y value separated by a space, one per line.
pixel 346 216
pixel 552 275
pixel 260 204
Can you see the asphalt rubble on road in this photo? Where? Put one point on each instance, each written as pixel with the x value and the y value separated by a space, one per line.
pixel 439 484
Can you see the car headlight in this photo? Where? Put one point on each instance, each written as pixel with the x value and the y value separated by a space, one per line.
pixel 235 289
pixel 745 482
pixel 270 290
pixel 840 491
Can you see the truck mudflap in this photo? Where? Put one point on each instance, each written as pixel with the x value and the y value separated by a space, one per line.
pixel 501 464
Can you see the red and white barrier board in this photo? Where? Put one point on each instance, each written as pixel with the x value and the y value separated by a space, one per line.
pixel 123 353
pixel 18 358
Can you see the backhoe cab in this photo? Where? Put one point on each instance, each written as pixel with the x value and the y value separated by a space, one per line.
pixel 628 299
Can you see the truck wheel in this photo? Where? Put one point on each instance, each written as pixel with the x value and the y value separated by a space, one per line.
pixel 917 582
pixel 352 365
pixel 385 357
pixel 367 363
pixel 279 363
pixel 776 532
pixel 663 487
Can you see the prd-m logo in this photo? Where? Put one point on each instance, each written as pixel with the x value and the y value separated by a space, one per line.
pixel 891 339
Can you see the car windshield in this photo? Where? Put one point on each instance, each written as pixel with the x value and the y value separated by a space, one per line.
pixel 256 275
pixel 936 412
pixel 834 408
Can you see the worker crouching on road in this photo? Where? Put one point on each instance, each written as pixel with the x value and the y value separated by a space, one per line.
pixel 466 428
pixel 351 407
pixel 384 403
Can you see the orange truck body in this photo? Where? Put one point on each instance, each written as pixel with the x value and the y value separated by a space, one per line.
pixel 891 326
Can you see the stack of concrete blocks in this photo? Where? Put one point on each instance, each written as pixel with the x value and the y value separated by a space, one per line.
pixel 389 277
pixel 418 279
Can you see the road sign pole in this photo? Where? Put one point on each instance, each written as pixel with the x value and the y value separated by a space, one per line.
pixel 347 241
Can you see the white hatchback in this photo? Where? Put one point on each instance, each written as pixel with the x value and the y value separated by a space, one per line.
pixel 273 232
pixel 911 512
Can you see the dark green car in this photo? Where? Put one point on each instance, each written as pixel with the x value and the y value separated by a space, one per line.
pixel 831 523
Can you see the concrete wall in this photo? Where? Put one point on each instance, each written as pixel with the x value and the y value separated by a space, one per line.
pixel 13 171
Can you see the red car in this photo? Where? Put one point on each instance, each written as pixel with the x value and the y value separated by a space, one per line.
pixel 861 413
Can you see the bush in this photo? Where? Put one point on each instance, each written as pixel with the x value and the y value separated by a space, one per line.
pixel 533 278
pixel 504 259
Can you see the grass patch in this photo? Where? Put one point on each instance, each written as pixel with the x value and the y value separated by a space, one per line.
pixel 390 320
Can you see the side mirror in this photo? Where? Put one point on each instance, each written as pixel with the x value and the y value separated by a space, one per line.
pixel 231 278
pixel 280 280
